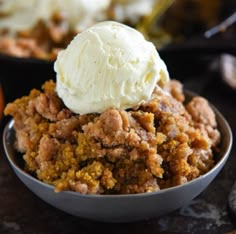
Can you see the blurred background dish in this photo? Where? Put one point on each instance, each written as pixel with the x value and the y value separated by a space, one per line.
pixel 39 29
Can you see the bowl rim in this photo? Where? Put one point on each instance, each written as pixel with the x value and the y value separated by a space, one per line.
pixel 227 131
pixel 25 60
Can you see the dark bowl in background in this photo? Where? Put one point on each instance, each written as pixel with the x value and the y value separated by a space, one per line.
pixel 19 75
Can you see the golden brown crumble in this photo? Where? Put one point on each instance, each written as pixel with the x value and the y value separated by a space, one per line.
pixel 160 144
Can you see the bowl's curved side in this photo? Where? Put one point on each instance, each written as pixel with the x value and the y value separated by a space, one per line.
pixel 120 208
pixel 117 208
pixel 23 60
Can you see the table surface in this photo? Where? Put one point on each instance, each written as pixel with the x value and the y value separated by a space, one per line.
pixel 22 212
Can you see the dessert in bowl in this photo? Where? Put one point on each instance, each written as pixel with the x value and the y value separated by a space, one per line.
pixel 114 139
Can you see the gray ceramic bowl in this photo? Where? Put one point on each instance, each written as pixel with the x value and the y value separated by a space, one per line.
pixel 120 208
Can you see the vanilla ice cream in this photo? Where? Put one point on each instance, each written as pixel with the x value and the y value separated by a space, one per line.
pixel 109 65
pixel 18 15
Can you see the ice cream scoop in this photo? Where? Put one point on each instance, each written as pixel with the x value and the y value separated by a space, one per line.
pixel 109 65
